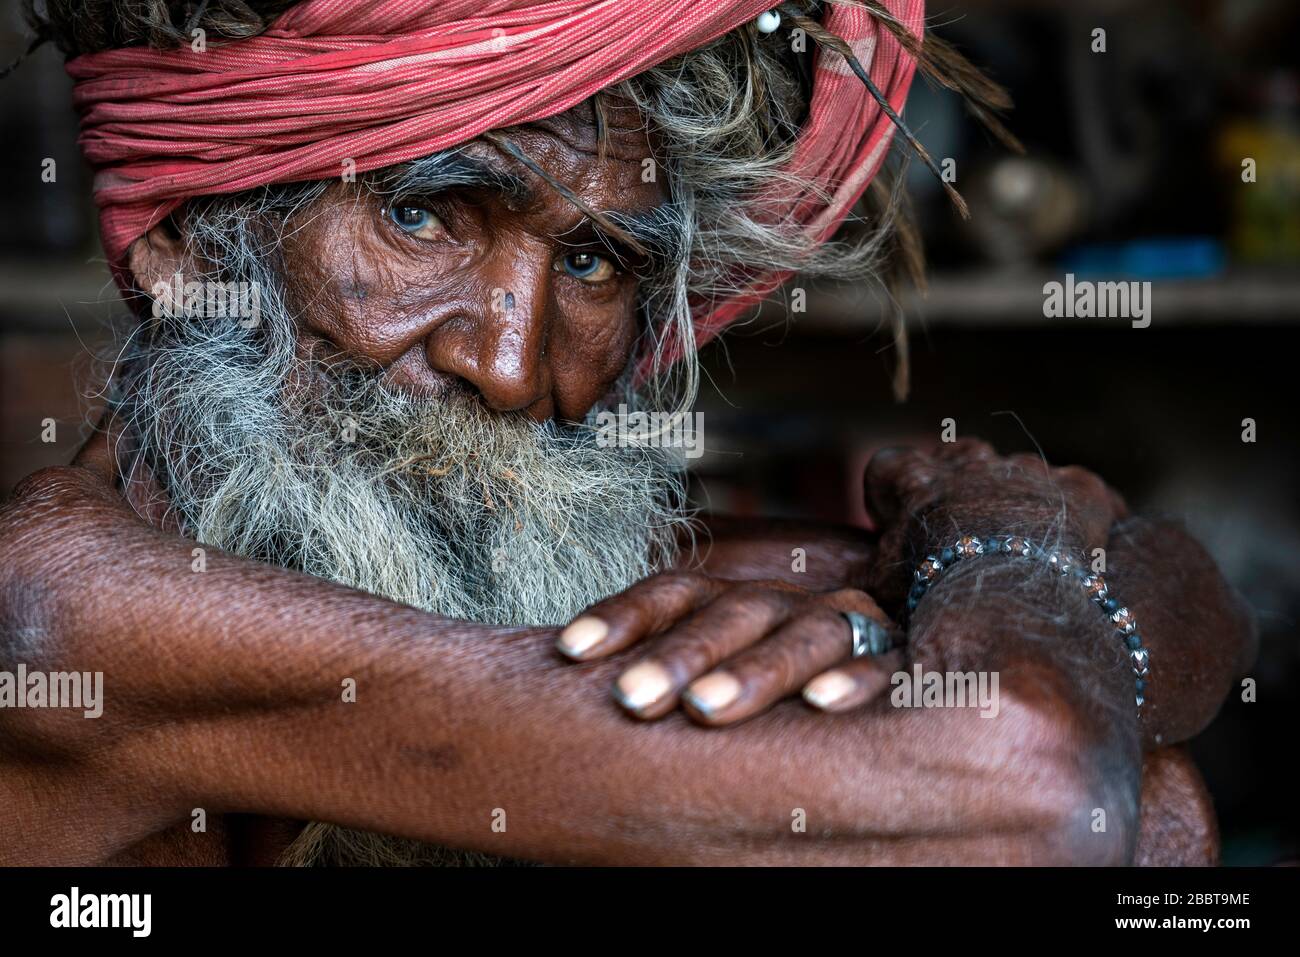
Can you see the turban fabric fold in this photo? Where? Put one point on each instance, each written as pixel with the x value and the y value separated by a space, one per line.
pixel 339 85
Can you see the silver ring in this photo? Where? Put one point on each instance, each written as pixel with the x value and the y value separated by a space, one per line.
pixel 869 637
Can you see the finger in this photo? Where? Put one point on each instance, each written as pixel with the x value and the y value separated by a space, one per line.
pixel 1029 462
pixel 1118 504
pixel 97 454
pixel 851 599
pixel 1095 503
pixel 966 450
pixel 645 609
pixel 732 622
pixel 853 684
pixel 776 667
pixel 895 479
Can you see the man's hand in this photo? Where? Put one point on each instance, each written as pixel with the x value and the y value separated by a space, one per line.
pixel 1199 633
pixel 741 646
pixel 725 650
pixel 922 498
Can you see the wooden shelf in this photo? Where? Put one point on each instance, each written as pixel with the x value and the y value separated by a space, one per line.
pixel 988 299
pixel 42 297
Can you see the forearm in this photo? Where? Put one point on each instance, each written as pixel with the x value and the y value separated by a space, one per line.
pixel 577 782
pixel 1188 616
pixel 224 691
pixel 1052 647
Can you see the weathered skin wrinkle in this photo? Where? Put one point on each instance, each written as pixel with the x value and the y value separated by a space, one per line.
pixel 430 312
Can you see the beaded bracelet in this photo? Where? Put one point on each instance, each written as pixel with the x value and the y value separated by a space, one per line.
pixel 968 546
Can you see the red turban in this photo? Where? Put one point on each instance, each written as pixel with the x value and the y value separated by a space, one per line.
pixel 380 82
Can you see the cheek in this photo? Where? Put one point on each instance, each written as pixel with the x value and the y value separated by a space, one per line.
pixel 589 349
pixel 366 297
pixel 338 276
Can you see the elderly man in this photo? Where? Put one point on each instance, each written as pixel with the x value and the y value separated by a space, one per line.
pixel 324 549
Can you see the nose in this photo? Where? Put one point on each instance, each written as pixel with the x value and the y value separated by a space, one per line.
pixel 500 349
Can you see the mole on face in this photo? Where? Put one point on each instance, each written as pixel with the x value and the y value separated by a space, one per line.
pixel 517 295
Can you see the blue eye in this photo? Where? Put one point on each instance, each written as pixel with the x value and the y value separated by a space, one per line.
pixel 588 267
pixel 415 220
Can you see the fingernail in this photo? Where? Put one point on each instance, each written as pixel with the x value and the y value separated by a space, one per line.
pixel 642 685
pixel 828 689
pixel 713 692
pixel 582 635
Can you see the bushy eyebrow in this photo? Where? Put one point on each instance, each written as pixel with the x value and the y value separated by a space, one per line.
pixel 451 169
pixel 660 230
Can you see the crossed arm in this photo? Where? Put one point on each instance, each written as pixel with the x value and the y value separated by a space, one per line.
pixel 223 691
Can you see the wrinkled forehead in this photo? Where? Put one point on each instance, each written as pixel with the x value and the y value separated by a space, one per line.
pixel 622 126
pixel 594 156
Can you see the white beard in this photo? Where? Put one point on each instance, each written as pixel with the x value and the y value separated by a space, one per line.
pixel 436 503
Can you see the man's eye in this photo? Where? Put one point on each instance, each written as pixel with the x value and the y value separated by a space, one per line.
pixel 588 267
pixel 416 220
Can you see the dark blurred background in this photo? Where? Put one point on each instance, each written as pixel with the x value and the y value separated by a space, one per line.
pixel 1133 172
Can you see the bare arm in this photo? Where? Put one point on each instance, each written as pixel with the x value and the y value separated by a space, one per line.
pixel 224 691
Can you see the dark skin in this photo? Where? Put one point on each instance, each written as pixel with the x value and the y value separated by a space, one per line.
pixel 223 689
pixel 425 300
